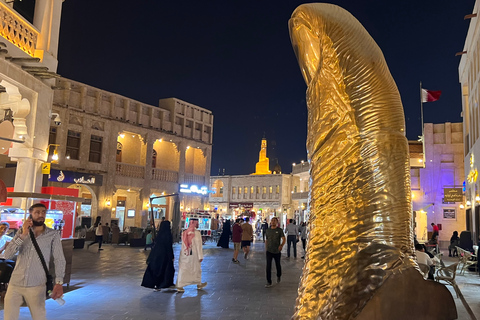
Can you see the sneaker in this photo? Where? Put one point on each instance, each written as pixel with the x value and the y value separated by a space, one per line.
pixel 233 260
pixel 279 279
pixel 180 289
pixel 303 257
pixel 268 285
pixel 201 285
pixel 100 249
pixel 236 261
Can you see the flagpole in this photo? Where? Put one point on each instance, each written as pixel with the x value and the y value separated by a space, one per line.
pixel 421 106
pixel 423 130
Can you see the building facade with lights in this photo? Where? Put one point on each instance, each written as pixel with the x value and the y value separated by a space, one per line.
pixel 434 177
pixel 266 195
pixel 28 62
pixel 263 193
pixel 469 75
pixel 301 172
pixel 119 152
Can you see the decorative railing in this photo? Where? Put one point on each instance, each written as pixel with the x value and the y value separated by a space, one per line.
pixel 17 30
pixel 194 179
pixel 130 170
pixel 164 175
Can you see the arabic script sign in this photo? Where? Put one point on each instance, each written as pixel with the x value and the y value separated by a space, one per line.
pixel 75 177
pixel 453 194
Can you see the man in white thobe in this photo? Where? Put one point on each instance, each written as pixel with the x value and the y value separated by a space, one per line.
pixel 191 255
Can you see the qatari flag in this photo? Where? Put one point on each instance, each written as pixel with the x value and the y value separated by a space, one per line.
pixel 430 96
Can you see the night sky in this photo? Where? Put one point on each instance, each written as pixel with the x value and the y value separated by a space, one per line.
pixel 235 59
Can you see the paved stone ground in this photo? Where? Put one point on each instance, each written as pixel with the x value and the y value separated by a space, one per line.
pixel 106 285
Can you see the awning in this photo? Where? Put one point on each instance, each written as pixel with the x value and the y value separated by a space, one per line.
pixel 35 195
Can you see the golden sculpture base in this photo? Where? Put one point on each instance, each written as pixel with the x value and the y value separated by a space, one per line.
pixel 407 295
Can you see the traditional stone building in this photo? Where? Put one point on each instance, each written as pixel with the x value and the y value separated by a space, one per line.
pixel 266 194
pixel 469 75
pixel 443 169
pixel 120 152
pixel 28 61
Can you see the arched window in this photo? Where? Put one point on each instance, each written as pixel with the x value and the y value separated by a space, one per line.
pixel 154 159
pixel 217 186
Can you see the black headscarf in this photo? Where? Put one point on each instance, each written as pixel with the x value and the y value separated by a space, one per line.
pixel 224 238
pixel 160 271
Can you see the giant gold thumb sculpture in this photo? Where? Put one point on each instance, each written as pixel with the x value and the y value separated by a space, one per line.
pixel 360 229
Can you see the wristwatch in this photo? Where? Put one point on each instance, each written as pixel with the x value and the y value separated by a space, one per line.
pixel 59 282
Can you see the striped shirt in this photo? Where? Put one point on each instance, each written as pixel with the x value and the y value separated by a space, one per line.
pixel 28 270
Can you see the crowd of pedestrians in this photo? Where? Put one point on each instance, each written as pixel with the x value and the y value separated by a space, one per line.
pixel 160 271
pixel 274 237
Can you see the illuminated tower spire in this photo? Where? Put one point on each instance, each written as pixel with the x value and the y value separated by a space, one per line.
pixel 263 164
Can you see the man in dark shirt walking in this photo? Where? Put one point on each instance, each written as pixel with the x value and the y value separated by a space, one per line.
pixel 273 249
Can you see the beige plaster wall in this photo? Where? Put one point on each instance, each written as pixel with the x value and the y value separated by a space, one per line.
pixel 195 162
pixel 168 158
pixel 133 151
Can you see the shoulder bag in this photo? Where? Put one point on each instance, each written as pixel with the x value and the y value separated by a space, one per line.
pixel 49 283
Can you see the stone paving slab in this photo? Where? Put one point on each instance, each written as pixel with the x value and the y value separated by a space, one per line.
pixel 106 286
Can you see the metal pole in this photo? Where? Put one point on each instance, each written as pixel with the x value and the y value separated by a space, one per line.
pixel 151 209
pixel 423 127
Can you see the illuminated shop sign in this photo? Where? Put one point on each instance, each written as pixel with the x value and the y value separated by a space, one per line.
pixel 244 205
pixel 453 194
pixel 75 177
pixel 193 189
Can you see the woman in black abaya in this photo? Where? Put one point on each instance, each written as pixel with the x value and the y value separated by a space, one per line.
pixel 225 237
pixel 160 271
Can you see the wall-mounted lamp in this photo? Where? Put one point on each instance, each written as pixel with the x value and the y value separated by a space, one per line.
pixel 468 203
pixel 108 203
pixel 462 206
pixel 54 158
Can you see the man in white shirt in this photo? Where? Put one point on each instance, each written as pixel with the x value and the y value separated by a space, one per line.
pixel 423 258
pixel 28 278
pixel 4 239
pixel 292 237
pixel 6 266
